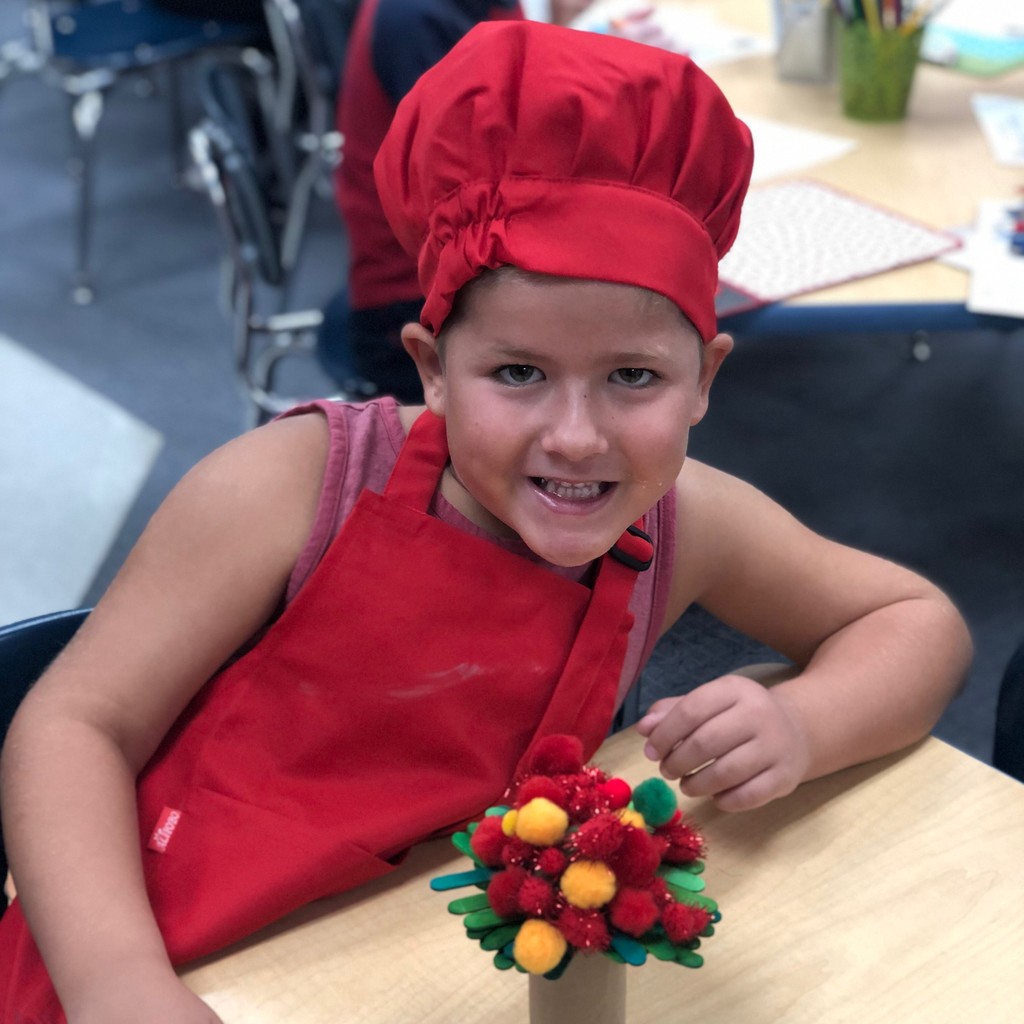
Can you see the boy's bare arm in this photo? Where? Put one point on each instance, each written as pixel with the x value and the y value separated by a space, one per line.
pixel 209 570
pixel 880 651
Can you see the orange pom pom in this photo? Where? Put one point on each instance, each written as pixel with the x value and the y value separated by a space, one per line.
pixel 588 884
pixel 539 946
pixel 540 822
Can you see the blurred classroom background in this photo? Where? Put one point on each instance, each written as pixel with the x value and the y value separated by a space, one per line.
pixel 106 404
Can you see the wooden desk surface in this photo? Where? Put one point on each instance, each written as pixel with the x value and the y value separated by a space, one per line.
pixel 892 892
pixel 934 166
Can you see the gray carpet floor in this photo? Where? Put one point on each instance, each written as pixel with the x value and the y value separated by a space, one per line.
pixel 919 462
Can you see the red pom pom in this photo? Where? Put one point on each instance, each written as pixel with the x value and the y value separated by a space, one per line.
pixel 600 837
pixel 660 891
pixel 584 929
pixel 556 755
pixel 636 860
pixel 685 843
pixel 633 911
pixel 503 891
pixel 616 792
pixel 585 803
pixel 536 897
pixel 683 922
pixel 517 852
pixel 488 841
pixel 552 862
pixel 541 785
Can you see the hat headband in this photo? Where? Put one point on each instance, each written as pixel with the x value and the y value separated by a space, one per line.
pixel 606 231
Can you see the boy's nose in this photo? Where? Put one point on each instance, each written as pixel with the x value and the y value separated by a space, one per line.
pixel 573 430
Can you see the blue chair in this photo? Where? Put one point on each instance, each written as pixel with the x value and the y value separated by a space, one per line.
pixel 26 649
pixel 1008 748
pixel 85 47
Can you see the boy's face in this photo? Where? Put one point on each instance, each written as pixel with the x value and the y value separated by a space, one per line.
pixel 568 406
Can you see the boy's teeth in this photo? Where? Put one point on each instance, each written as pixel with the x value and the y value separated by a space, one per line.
pixel 561 489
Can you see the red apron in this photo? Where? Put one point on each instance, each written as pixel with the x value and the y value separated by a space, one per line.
pixel 392 700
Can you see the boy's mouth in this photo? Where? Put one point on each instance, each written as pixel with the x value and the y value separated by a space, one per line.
pixel 570 490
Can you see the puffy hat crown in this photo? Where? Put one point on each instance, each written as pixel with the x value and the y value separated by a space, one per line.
pixel 566 153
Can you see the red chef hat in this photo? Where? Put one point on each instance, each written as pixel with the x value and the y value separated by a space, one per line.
pixel 566 153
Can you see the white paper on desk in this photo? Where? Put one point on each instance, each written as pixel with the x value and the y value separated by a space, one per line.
pixel 1002 122
pixel 997 274
pixel 800 236
pixel 784 149
pixel 693 30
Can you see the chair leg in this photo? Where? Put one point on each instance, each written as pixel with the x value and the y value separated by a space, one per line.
pixel 86 111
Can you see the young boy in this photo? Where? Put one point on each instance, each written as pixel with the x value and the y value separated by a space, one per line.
pixel 391 656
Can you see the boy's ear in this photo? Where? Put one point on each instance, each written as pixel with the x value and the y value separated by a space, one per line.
pixel 422 346
pixel 715 352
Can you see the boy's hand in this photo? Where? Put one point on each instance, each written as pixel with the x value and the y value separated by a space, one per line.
pixel 730 739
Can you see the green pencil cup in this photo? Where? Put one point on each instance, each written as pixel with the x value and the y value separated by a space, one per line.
pixel 876 71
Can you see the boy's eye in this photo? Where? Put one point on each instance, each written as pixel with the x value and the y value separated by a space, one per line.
pixel 633 376
pixel 519 374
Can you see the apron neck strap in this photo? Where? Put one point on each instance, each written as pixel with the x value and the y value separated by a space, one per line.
pixel 420 463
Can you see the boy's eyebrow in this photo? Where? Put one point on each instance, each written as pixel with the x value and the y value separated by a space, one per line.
pixel 516 353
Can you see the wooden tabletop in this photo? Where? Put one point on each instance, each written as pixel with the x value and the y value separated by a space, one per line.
pixel 891 892
pixel 933 166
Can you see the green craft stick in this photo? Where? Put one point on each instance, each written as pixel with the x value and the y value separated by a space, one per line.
pixel 467 904
pixel 693 899
pixel 444 882
pixel 497 938
pixel 485 918
pixel 662 949
pixel 688 958
pixel 683 879
pixel 461 843
pixel 496 812
pixel 612 954
pixel 503 962
pixel 629 949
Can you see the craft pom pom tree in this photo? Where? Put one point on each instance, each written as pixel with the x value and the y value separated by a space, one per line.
pixel 580 863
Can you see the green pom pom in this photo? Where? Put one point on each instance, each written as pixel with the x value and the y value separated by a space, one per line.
pixel 655 800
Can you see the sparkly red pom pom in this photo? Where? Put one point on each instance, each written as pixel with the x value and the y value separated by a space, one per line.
pixel 552 862
pixel 636 860
pixel 584 929
pixel 541 785
pixel 683 922
pixel 685 845
pixel 633 911
pixel 536 897
pixel 600 837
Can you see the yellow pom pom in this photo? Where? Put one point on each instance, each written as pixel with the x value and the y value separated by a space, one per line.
pixel 541 822
pixel 539 946
pixel 588 884
pixel 628 816
pixel 508 822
